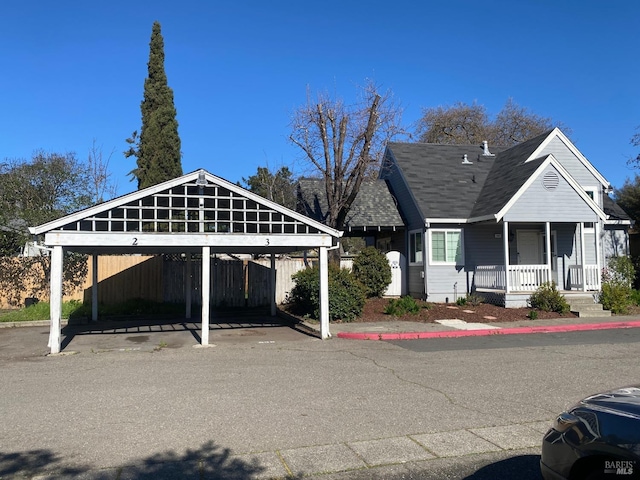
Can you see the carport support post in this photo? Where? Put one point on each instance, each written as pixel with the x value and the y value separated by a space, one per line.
pixel 206 287
pixel 55 299
pixel 272 281
pixel 324 294
pixel 94 287
pixel 187 283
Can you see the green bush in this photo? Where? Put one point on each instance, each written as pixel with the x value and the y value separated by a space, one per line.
pixel 617 282
pixel 346 294
pixel 533 315
pixel 402 306
pixel 472 300
pixel 371 268
pixel 635 297
pixel 547 298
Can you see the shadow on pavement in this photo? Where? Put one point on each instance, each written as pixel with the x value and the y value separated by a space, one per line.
pixel 208 462
pixel 150 325
pixel 523 467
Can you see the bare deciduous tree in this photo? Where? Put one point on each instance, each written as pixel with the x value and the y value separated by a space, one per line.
pixel 470 124
pixel 100 186
pixel 344 144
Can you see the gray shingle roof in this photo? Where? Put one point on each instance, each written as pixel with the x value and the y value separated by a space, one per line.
pixel 614 210
pixel 373 207
pixel 508 174
pixel 442 185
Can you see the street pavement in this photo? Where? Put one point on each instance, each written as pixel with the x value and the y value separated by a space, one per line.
pixel 129 400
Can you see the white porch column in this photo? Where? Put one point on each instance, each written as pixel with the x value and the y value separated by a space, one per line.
pixel 547 241
pixel 94 287
pixel 583 258
pixel 187 286
pixel 505 241
pixel 272 282
pixel 206 286
pixel 55 299
pixel 599 259
pixel 324 294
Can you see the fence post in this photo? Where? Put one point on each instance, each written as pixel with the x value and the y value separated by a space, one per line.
pixel 272 285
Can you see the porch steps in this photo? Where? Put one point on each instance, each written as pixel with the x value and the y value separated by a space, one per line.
pixel 585 307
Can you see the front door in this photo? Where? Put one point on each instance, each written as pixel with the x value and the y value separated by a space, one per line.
pixel 529 245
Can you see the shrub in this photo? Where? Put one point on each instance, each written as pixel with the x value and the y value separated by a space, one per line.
pixel 635 297
pixel 617 281
pixel 472 299
pixel 533 315
pixel 549 299
pixel 372 269
pixel 346 294
pixel 402 306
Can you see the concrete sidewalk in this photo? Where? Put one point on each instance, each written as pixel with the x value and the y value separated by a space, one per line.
pixel 406 330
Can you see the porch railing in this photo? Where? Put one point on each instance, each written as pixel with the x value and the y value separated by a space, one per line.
pixel 490 277
pixel 591 277
pixel 528 277
pixel 524 278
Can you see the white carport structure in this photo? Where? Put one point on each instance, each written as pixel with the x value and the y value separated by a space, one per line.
pixel 197 213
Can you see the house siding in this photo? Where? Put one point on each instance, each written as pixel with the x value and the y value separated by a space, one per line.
pixel 614 242
pixel 573 165
pixel 412 217
pixel 537 204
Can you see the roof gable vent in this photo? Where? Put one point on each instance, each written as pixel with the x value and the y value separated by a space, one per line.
pixel 550 181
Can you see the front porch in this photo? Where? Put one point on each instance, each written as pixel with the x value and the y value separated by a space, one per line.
pixel 512 287
pixel 528 278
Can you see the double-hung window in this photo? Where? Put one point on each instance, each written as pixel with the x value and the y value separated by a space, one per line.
pixel 415 247
pixel 446 247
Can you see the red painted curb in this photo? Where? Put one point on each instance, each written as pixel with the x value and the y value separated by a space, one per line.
pixel 481 333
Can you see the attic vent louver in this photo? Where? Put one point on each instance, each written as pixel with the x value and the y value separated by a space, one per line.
pixel 550 181
pixel 465 160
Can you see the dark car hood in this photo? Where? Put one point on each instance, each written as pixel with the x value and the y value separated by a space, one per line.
pixel 622 400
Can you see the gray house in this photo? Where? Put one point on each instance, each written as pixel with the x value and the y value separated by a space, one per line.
pixel 502 221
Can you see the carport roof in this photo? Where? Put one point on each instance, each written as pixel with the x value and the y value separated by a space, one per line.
pixel 183 215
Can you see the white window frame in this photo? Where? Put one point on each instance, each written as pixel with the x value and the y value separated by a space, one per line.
pixel 446 231
pixel 412 252
pixel 592 192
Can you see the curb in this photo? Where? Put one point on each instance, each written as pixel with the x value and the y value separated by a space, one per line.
pixel 487 332
pixel 31 323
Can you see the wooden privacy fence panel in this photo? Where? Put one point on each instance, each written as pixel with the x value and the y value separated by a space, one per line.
pixel 162 278
pixel 125 277
pixel 285 268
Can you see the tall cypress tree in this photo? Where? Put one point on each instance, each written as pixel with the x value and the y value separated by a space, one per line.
pixel 157 148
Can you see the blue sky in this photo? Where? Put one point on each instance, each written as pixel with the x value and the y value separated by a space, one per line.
pixel 73 71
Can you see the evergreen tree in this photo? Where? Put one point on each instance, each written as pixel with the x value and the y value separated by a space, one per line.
pixel 157 148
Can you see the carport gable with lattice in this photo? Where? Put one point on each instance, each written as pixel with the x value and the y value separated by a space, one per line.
pixel 195 213
pixel 166 218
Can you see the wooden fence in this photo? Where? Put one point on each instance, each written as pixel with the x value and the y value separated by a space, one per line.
pixel 234 283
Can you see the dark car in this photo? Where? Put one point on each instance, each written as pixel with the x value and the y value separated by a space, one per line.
pixel 599 438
